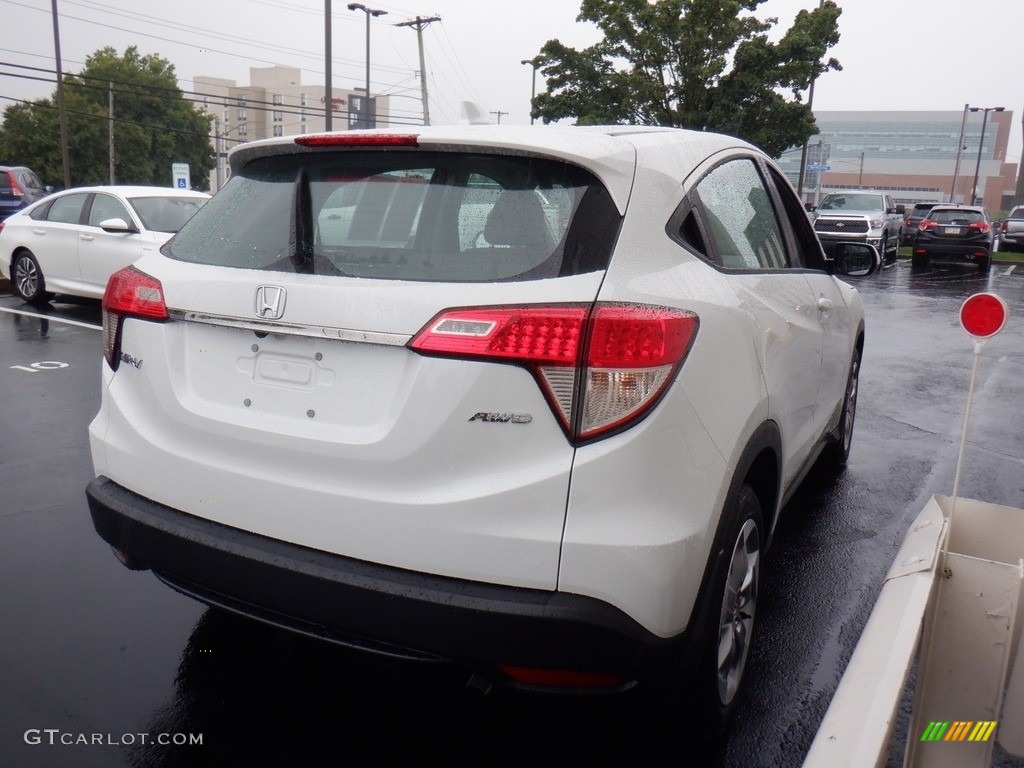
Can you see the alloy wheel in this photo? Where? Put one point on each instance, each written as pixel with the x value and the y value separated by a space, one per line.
pixel 738 606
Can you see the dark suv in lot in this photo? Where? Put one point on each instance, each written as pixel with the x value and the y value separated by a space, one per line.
pixel 961 234
pixel 912 220
pixel 19 187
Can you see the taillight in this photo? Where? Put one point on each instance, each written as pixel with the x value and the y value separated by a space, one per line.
pixel 602 368
pixel 130 293
pixel 16 189
pixel 927 224
pixel 979 226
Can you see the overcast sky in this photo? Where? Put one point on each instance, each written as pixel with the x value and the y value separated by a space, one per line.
pixel 896 54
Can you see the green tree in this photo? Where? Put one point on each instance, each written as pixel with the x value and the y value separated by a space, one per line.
pixel 697 64
pixel 154 126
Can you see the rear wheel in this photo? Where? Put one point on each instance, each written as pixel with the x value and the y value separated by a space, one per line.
pixel 919 260
pixel 729 625
pixel 27 278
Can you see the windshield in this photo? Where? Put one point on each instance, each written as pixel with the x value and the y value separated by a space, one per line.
pixel 435 216
pixel 851 202
pixel 166 214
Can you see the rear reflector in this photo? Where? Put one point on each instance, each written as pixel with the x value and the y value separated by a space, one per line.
pixel 561 678
pixel 355 139
pixel 601 368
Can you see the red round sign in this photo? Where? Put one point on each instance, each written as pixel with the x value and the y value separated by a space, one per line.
pixel 983 315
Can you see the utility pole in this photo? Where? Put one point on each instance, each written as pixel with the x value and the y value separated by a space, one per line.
pixel 60 99
pixel 110 128
pixel 328 101
pixel 959 150
pixel 499 113
pixel 418 25
pixel 216 150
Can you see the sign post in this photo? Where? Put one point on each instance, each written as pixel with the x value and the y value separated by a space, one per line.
pixel 180 175
pixel 982 315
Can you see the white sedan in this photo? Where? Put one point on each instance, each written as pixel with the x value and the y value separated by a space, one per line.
pixel 71 242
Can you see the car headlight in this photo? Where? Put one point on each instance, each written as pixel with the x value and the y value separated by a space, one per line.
pixel 877 223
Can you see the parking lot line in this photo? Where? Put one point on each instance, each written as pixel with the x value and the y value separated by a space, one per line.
pixel 54 318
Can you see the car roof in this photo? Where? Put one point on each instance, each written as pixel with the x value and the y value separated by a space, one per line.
pixel 958 207
pixel 610 152
pixel 129 190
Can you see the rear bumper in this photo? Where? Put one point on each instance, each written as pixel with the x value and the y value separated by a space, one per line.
pixel 373 607
pixel 962 253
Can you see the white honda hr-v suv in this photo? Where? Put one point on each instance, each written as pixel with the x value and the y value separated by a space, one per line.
pixel 528 399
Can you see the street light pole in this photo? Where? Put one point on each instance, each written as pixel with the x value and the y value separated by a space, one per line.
pixel 534 62
pixel 369 12
pixel 981 143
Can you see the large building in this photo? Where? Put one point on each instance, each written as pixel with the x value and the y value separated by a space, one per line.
pixel 275 102
pixel 915 156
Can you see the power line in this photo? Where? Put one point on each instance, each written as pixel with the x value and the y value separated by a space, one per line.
pixel 194 97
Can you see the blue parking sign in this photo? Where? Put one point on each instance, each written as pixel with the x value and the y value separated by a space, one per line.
pixel 181 184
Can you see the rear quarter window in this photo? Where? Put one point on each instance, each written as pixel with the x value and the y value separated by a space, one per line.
pixel 424 216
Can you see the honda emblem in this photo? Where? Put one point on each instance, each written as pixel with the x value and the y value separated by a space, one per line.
pixel 270 302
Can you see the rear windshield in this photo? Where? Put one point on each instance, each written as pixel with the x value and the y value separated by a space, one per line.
pixel 954 216
pixel 166 214
pixel 430 216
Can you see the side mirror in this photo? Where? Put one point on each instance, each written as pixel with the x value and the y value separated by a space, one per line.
pixel 901 209
pixel 117 225
pixel 855 259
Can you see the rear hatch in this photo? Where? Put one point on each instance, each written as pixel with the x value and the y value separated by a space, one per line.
pixel 954 226
pixel 320 375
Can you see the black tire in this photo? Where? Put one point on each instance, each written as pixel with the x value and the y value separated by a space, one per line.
pixel 919 260
pixel 837 452
pixel 985 265
pixel 27 278
pixel 728 629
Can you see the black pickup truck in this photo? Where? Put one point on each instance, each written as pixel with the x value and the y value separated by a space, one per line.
pixel 1011 231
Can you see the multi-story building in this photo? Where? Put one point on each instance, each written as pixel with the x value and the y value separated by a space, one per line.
pixel 276 103
pixel 914 156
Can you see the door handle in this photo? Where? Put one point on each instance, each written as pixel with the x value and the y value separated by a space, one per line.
pixel 86 237
pixel 38 231
pixel 825 305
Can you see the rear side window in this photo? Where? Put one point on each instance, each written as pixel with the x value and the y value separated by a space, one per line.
pixel 67 209
pixel 424 216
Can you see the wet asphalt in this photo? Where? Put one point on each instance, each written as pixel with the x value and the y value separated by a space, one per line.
pixel 90 650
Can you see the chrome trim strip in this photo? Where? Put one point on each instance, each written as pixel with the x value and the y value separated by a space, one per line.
pixel 291 329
